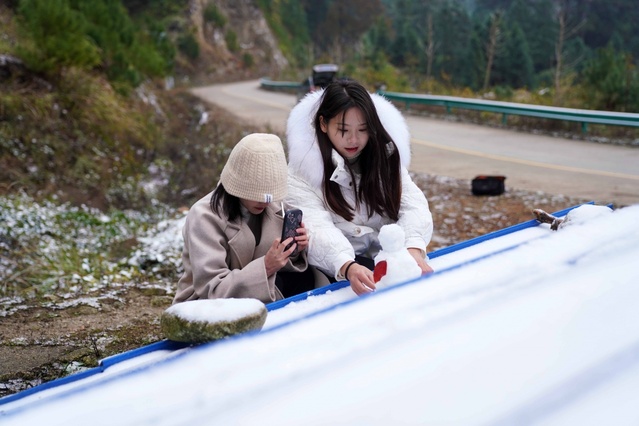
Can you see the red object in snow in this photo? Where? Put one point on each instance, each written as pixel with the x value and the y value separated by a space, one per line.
pixel 379 271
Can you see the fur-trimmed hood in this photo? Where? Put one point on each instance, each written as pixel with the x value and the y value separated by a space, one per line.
pixel 304 157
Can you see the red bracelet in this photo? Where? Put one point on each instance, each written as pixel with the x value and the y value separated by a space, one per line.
pixel 347 268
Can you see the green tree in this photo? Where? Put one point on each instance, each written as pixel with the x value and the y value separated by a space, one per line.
pixel 189 46
pixel 474 77
pixel 535 18
pixel 404 48
pixel 570 19
pixel 493 44
pixel 611 81
pixel 346 22
pixel 453 32
pixel 316 12
pixel 75 33
pixel 288 21
pixel 608 19
pixel 294 20
pixel 213 15
pixel 54 36
pixel 379 36
pixel 126 55
pixel 514 67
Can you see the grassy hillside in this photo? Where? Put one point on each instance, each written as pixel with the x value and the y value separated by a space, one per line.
pixel 108 133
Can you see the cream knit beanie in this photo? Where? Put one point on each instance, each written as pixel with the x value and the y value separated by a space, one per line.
pixel 256 169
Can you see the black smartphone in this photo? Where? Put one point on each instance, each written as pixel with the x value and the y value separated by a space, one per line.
pixel 292 221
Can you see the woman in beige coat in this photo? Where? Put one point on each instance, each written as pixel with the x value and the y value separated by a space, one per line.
pixel 232 246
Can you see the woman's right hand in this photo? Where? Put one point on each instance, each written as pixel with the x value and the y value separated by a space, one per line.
pixel 360 277
pixel 276 257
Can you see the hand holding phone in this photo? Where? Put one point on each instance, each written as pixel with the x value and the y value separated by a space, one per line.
pixel 292 221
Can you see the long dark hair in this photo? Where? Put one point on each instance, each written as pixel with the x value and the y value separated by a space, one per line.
pixel 229 204
pixel 379 163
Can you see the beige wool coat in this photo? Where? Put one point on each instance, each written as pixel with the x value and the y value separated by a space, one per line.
pixel 221 259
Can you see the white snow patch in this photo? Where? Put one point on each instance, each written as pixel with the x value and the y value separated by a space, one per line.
pixel 216 310
pixel 584 214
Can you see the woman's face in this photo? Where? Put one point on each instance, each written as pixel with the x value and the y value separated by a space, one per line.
pixel 348 132
pixel 254 207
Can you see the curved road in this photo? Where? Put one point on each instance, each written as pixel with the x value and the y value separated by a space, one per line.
pixel 598 172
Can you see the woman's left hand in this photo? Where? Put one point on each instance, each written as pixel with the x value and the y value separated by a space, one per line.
pixel 418 255
pixel 301 238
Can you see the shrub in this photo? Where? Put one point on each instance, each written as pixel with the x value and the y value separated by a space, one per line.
pixel 231 41
pixel 247 60
pixel 58 34
pixel 189 46
pixel 80 140
pixel 54 36
pixel 213 15
pixel 611 81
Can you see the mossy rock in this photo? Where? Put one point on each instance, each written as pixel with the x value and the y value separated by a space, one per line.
pixel 199 321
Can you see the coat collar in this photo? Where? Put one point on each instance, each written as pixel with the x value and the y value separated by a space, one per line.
pixel 340 175
pixel 243 242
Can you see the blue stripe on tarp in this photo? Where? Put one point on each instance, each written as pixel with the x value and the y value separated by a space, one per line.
pixel 52 384
pixel 102 366
pixel 164 345
pixel 172 345
pixel 303 296
pixel 499 233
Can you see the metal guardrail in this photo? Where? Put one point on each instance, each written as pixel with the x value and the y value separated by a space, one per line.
pixel 284 86
pixel 582 116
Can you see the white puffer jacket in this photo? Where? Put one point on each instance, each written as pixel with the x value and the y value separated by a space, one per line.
pixel 333 240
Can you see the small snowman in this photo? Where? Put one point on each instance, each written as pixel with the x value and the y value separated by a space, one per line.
pixel 394 264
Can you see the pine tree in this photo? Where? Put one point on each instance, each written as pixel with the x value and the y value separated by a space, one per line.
pixel 535 18
pixel 453 32
pixel 54 36
pixel 493 45
pixel 477 57
pixel 612 81
pixel 514 67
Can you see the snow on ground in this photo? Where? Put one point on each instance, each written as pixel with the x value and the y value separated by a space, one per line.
pixel 546 332
pixel 58 246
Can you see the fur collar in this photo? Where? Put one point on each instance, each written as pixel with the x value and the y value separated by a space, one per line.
pixel 304 158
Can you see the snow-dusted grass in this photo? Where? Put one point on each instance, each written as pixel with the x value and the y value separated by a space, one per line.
pixel 58 254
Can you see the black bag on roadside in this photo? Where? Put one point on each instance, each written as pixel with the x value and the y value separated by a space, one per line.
pixel 488 185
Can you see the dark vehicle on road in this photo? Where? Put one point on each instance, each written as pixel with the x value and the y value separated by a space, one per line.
pixel 322 75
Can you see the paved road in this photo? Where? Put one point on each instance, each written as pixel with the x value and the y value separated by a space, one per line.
pixel 603 173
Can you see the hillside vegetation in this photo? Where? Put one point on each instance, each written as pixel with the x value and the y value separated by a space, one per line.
pixel 562 52
pixel 94 107
pixel 95 113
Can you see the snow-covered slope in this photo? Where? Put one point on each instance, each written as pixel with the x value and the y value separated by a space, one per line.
pixel 543 328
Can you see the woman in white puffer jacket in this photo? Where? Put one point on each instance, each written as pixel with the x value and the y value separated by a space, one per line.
pixel 348 153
